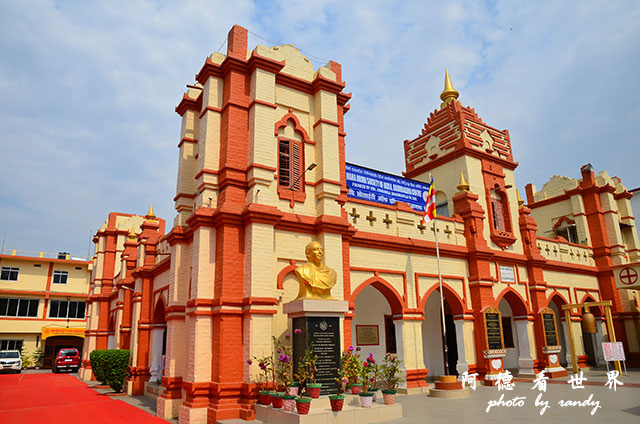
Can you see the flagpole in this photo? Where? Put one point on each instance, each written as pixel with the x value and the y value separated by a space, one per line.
pixel 444 326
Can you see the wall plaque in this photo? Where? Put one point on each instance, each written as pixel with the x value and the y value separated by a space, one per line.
pixel 493 328
pixel 506 274
pixel 549 326
pixel 367 335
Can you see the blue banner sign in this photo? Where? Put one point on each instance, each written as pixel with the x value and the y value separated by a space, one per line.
pixel 375 186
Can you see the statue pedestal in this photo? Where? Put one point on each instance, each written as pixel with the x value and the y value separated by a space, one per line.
pixel 319 321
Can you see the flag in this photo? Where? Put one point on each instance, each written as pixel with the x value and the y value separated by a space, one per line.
pixel 430 204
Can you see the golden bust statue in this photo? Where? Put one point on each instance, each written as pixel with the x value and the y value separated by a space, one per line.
pixel 316 279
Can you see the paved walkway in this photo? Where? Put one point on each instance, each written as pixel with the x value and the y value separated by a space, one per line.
pixel 43 397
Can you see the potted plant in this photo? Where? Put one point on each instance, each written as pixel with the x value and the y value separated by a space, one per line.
pixel 307 371
pixel 350 368
pixel 265 364
pixel 365 396
pixel 337 400
pixel 373 375
pixel 38 357
pixel 303 403
pixel 391 376
pixel 283 369
pixel 26 361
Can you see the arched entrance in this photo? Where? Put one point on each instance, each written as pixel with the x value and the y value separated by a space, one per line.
pixel 515 324
pixel 52 346
pixel 111 332
pixel 158 341
pixel 433 340
pixel 556 303
pixel 372 327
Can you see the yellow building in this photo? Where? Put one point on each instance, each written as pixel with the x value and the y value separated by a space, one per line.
pixel 43 303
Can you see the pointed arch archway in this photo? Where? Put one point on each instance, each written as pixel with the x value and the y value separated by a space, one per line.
pixel 158 348
pixel 516 319
pixel 433 339
pixel 375 302
pixel 556 301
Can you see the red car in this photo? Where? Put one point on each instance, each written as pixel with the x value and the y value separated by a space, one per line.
pixel 67 359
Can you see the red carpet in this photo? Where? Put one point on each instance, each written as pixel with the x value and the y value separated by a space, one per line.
pixel 59 398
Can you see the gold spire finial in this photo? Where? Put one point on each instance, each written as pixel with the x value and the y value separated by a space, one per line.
pixel 463 186
pixel 449 93
pixel 132 234
pixel 150 214
pixel 520 201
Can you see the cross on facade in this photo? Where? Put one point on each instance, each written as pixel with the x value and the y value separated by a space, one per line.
pixel 387 220
pixel 628 276
pixel 354 215
pixel 371 218
pixel 422 227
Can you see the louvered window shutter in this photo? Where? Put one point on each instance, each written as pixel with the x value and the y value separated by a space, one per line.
pixel 284 164
pixel 498 217
pixel 296 161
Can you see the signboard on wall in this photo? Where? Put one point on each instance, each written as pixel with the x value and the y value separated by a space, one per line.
pixel 62 331
pixel 549 327
pixel 367 335
pixel 379 187
pixel 506 274
pixel 493 328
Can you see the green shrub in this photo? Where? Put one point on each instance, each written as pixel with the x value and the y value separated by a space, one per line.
pixel 99 365
pixel 117 361
pixel 38 357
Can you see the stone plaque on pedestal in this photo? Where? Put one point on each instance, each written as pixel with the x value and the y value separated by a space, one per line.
pixel 323 333
pixel 320 322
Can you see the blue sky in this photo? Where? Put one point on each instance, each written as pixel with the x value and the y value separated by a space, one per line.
pixel 88 90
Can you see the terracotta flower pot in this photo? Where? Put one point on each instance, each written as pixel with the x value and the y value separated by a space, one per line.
pixel 276 400
pixel 289 403
pixel 389 397
pixel 337 402
pixel 314 390
pixel 366 399
pixel 303 405
pixel 356 388
pixel 265 397
pixel 293 390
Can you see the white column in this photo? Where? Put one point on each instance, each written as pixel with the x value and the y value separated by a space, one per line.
pixel 462 365
pixel 525 361
pixel 599 336
pixel 568 344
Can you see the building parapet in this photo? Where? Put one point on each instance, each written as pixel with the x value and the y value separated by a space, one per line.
pixel 563 251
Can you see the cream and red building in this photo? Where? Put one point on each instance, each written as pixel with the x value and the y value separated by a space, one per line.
pixel 43 302
pixel 194 303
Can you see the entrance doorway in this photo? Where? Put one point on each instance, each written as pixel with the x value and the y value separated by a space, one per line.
pixel 52 346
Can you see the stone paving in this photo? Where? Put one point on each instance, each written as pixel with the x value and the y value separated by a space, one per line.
pixel 608 406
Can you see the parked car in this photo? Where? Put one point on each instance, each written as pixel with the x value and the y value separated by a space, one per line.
pixel 67 359
pixel 10 360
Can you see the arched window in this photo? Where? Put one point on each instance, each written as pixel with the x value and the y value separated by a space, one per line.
pixel 442 205
pixel 497 212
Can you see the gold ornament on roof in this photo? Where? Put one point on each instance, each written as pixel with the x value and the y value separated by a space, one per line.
pixel 520 201
pixel 132 234
pixel 316 279
pixel 150 216
pixel 449 93
pixel 463 186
